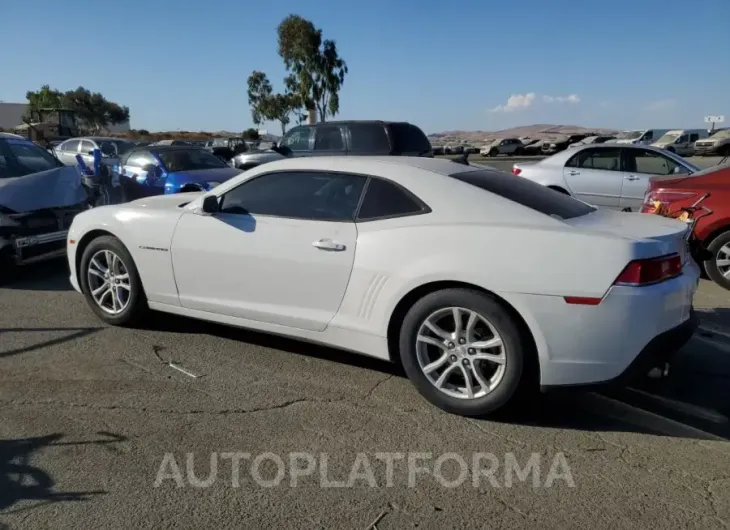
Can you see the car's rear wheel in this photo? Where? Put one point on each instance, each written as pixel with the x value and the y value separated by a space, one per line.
pixel 717 266
pixel 110 282
pixel 463 351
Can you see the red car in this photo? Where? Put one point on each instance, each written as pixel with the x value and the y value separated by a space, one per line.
pixel 669 193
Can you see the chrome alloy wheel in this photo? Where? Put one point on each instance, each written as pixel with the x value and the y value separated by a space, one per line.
pixel 722 260
pixel 108 280
pixel 461 353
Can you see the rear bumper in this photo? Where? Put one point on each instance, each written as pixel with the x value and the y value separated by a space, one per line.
pixel 660 350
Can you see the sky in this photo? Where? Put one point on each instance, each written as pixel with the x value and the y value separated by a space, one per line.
pixel 468 65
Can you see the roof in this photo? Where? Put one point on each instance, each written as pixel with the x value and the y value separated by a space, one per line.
pixel 351 122
pixel 367 164
pixel 168 147
pixel 11 135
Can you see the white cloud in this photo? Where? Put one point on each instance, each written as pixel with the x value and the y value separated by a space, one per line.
pixel 661 104
pixel 524 101
pixel 516 102
pixel 572 98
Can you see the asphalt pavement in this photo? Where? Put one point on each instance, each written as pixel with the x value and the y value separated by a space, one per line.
pixel 115 428
pixel 505 162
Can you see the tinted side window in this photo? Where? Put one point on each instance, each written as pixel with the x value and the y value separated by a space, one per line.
pixel 71 146
pixel 527 193
pixel 328 138
pixel 649 162
pixel 297 139
pixel 408 138
pixel 694 137
pixel 385 199
pixel 602 159
pixel 86 146
pixel 368 138
pixel 298 195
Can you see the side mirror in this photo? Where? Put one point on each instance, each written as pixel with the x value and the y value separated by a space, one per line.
pixel 210 204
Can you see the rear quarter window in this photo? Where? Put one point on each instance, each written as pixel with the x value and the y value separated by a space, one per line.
pixel 527 193
pixel 407 138
pixel 368 138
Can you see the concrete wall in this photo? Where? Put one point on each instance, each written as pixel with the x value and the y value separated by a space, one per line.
pixel 11 115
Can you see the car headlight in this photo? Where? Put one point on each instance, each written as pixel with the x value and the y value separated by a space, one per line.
pixel 212 185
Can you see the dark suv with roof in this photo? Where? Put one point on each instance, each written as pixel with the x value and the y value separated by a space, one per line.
pixel 363 138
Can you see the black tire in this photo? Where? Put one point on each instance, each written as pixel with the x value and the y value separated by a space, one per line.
pixel 670 149
pixel 710 265
pixel 491 309
pixel 137 306
pixel 724 150
pixel 493 151
pixel 519 151
pixel 8 267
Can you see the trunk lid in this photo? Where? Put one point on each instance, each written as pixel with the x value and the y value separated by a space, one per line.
pixel 662 235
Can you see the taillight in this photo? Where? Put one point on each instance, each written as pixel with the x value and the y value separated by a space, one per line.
pixel 516 170
pixel 655 200
pixel 650 271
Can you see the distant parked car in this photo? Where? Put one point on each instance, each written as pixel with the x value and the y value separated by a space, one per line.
pixel 639 136
pixel 717 144
pixel 438 150
pixel 605 175
pixel 591 140
pixel 111 149
pixel 674 192
pixel 681 141
pixel 165 169
pixel 560 143
pixel 371 138
pixel 503 146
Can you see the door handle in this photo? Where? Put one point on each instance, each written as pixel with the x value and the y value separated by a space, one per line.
pixel 328 244
pixel 632 177
pixel 573 172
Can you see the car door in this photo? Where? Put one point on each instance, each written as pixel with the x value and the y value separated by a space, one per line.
pixel 67 152
pixel 87 152
pixel 642 164
pixel 134 163
pixel 280 250
pixel 594 175
pixel 690 149
pixel 329 140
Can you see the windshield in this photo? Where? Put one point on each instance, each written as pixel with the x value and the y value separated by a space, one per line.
pixel 21 157
pixel 722 134
pixel 629 135
pixel 189 160
pixel 668 138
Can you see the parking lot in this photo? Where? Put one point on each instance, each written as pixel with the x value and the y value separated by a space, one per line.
pixel 90 412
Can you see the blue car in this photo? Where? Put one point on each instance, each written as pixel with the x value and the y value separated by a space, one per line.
pixel 163 169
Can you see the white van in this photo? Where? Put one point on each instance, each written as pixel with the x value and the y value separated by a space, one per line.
pixel 639 136
pixel 681 141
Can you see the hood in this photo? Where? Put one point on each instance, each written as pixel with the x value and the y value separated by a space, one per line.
pixel 165 202
pixel 54 188
pixel 201 176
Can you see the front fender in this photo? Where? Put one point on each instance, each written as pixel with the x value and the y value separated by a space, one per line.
pixel 146 234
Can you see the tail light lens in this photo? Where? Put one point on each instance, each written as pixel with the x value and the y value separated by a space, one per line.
pixel 659 200
pixel 651 271
pixel 516 170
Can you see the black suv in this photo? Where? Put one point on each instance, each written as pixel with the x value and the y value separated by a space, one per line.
pixel 356 137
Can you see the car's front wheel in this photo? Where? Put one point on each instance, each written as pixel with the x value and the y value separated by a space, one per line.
pixel 110 282
pixel 463 351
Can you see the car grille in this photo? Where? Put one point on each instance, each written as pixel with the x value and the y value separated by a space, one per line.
pixel 704 144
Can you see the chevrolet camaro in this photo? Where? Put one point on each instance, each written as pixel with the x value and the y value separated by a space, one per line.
pixel 480 283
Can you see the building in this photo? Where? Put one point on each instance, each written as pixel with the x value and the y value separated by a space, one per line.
pixel 11 115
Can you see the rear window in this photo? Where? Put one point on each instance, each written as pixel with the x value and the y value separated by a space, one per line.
pixel 527 193
pixel 368 138
pixel 407 138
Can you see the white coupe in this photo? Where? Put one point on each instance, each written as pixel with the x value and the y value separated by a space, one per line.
pixel 480 283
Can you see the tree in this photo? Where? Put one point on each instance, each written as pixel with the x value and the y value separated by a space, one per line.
pixel 250 134
pixel 317 72
pixel 93 110
pixel 266 105
pixel 259 92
